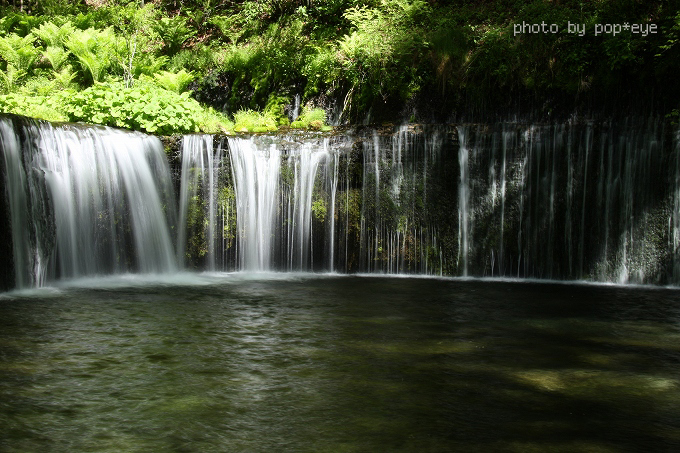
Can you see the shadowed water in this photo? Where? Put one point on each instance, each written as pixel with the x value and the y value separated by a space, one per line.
pixel 280 362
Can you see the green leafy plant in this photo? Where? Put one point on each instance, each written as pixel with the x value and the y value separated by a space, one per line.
pixel 174 32
pixel 142 107
pixel 32 105
pixel 212 122
pixel 276 106
pixel 174 81
pixel 57 56
pixel 64 77
pixel 200 58
pixel 95 51
pixel 319 209
pixel 377 54
pixel 54 35
pixel 311 118
pixel 19 23
pixel 19 51
pixel 9 78
pixel 252 121
pixel 268 64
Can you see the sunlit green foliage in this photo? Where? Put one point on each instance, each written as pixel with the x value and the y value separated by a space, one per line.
pixel 141 107
pixel 368 59
pixel 319 209
pixel 312 118
pixel 18 51
pixel 252 121
pixel 174 32
pixel 53 35
pixel 374 53
pixel 27 104
pixel 95 50
pixel 19 23
pixel 174 81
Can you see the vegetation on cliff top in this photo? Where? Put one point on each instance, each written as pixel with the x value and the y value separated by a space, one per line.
pixel 216 65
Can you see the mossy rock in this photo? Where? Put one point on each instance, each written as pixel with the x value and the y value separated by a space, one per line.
pixel 297 125
pixel 316 125
pixel 260 129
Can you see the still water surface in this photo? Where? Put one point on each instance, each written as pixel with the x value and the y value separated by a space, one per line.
pixel 309 363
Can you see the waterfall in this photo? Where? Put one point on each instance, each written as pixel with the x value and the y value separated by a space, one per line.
pixel 463 201
pixel 674 220
pixel 331 228
pixel 573 200
pixel 201 166
pixel 304 165
pixel 296 108
pixel 86 201
pixel 256 178
pixel 27 259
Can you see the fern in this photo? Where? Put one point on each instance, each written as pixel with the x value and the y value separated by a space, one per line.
pixel 19 52
pixel 94 49
pixel 176 82
pixel 54 35
pixel 56 55
pixel 64 77
pixel 10 77
pixel 174 33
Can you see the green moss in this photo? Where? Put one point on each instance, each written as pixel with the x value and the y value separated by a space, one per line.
pixel 226 200
pixel 319 209
pixel 311 119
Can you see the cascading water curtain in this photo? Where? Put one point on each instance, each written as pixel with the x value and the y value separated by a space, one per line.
pixel 204 207
pixel 86 201
pixel 593 201
pixel 256 179
pixel 576 200
pixel 674 224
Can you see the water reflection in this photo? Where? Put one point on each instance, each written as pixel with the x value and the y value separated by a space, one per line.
pixel 327 363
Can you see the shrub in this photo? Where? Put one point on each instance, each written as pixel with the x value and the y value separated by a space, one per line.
pixel 252 121
pixel 322 68
pixel 176 82
pixel 174 33
pixel 53 35
pixel 19 51
pixel 311 118
pixel 19 23
pixel 379 54
pixel 200 58
pixel 269 63
pixel 213 122
pixel 34 106
pixel 95 51
pixel 142 107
